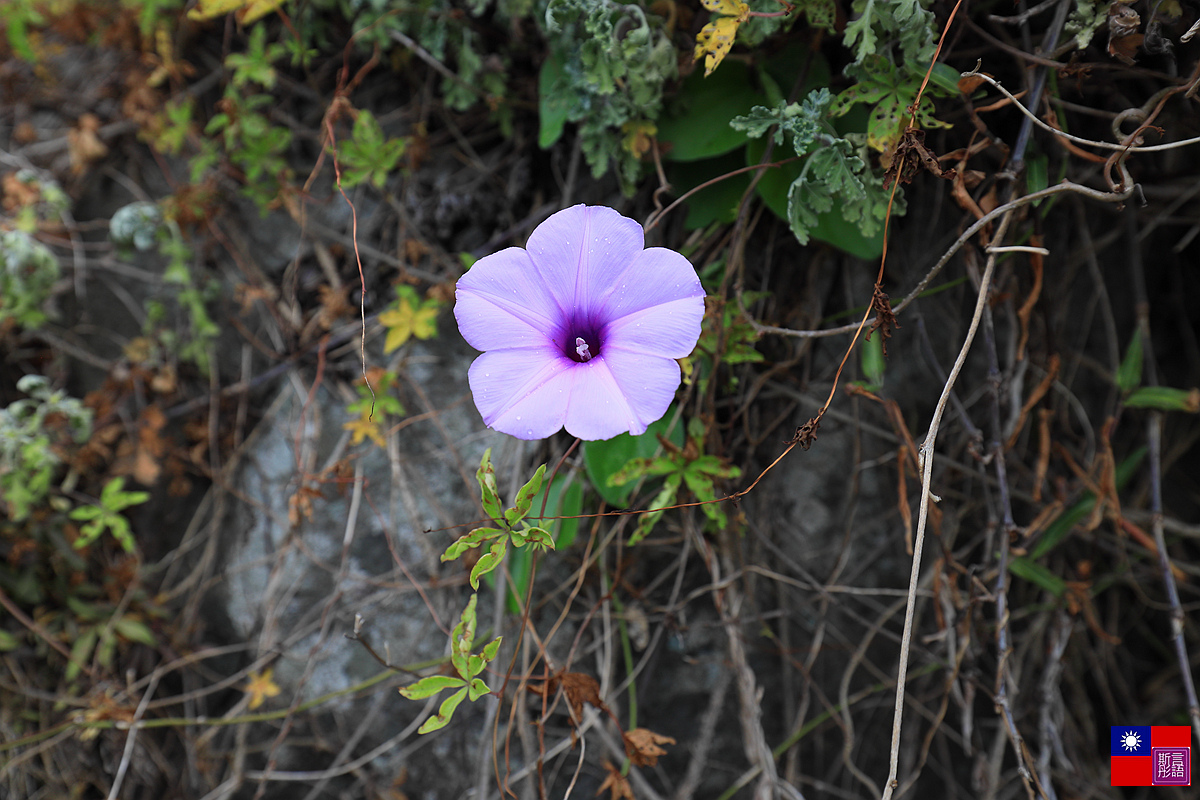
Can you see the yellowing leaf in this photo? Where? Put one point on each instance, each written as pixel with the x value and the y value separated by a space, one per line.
pixel 256 9
pixel 363 428
pixel 408 318
pixel 616 783
pixel 208 9
pixel 260 687
pixel 639 137
pixel 247 10
pixel 716 38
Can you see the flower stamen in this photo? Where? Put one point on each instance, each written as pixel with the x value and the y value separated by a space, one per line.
pixel 581 348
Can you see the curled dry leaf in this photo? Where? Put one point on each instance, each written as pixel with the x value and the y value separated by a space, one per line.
pixel 616 783
pixel 642 746
pixel 84 145
pixel 579 689
pixel 911 156
pixel 806 434
pixel 885 318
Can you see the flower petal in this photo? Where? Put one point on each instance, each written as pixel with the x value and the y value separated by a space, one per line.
pixel 501 303
pixel 648 382
pixel 597 408
pixel 523 392
pixel 669 330
pixel 581 251
pixel 655 276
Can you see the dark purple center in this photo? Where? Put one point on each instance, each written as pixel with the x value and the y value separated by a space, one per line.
pixel 580 340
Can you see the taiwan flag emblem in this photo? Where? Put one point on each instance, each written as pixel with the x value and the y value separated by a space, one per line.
pixel 1151 755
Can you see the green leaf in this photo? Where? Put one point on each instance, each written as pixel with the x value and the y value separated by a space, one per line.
pixel 1165 398
pixel 697 126
pixel 470 541
pixel 802 122
pixel 475 665
pixel 442 718
pixel 564 499
pixel 528 492
pixel 665 497
pixel 477 690
pixel 488 561
pixel 538 537
pixel 491 648
pixel 1037 174
pixel 462 638
pixel 135 631
pixel 1030 570
pixel 642 468
pixel 8 642
pixel 1062 524
pixel 1129 373
pixel 486 475
pixel 718 201
pixel 428 687
pixel 603 458
pixel 553 106
pixel 831 226
pixel 873 362
pixel 81 652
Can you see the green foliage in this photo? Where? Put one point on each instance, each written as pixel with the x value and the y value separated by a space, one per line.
pixel 1030 567
pixel 564 498
pixel 447 34
pixel 95 632
pixel 409 316
pixel 48 203
pixel 106 515
pixel 873 362
pixel 510 527
pixel 144 226
pixel 889 91
pixel 136 225
pixel 253 144
pixel 19 17
pixel 1129 373
pixel 28 271
pixel 608 65
pixel 835 168
pixel 1086 18
pixel 468 667
pixel 687 466
pixel 383 401
pixel 885 23
pixel 33 433
pixel 256 64
pixel 603 459
pixel 368 156
pixel 1165 398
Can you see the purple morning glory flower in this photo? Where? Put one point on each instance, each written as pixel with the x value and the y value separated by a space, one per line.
pixel 581 329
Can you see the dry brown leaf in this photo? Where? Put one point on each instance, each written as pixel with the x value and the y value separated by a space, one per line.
pixel 83 145
pixel 970 83
pixel 642 746
pixel 334 306
pixel 616 783
pixel 579 689
pixel 18 193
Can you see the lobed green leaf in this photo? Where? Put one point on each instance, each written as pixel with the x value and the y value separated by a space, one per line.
pixel 429 686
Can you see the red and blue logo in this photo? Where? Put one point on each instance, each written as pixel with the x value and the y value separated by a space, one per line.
pixel 1151 755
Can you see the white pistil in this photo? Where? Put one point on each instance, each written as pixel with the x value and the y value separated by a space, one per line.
pixel 581 347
